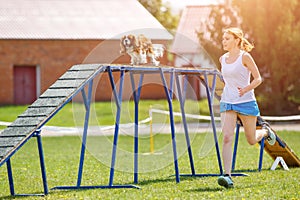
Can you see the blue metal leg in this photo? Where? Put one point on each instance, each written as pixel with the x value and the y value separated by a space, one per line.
pixel 187 138
pixel 185 83
pixel 43 170
pixel 10 177
pixel 136 98
pixel 261 153
pixel 213 87
pixel 87 103
pixel 235 146
pixel 42 162
pixel 169 94
pixel 118 98
pixel 210 103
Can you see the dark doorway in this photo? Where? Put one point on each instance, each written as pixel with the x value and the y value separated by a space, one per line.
pixel 24 84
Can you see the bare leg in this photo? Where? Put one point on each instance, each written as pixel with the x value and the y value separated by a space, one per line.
pixel 228 120
pixel 252 135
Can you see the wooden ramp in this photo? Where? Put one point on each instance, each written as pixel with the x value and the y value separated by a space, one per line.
pixel 44 108
pixel 280 148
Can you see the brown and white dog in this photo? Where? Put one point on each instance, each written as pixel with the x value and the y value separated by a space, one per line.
pixel 139 48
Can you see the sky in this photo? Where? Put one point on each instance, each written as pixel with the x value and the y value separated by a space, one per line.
pixel 177 5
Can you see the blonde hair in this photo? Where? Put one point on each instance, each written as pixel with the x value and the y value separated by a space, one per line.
pixel 237 33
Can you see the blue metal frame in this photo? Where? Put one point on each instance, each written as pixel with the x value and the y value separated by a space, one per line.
pixel 210 95
pixel 210 91
pixel 10 177
pixel 42 161
pixel 118 101
pixel 117 93
pixel 236 142
pixel 187 138
pixel 261 153
pixel 210 102
pixel 136 98
pixel 87 103
pixel 169 95
pixel 37 134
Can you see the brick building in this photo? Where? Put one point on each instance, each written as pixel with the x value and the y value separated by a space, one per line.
pixel 41 39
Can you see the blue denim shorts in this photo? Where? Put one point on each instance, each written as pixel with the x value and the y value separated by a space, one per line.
pixel 248 108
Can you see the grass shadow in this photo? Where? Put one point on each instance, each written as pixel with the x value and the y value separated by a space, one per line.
pixel 171 178
pixel 22 196
pixel 249 170
pixel 160 180
pixel 206 189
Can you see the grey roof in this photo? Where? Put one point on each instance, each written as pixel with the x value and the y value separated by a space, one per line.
pixel 76 19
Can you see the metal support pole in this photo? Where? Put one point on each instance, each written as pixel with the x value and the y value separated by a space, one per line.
pixel 87 103
pixel 210 105
pixel 261 153
pixel 10 178
pixel 42 165
pixel 237 133
pixel 185 83
pixel 213 87
pixel 169 94
pixel 136 98
pixel 187 138
pixel 42 162
pixel 118 99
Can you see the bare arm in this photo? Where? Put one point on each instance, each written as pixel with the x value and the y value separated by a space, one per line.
pixel 249 62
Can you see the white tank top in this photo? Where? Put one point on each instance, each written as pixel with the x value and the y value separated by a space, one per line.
pixel 235 75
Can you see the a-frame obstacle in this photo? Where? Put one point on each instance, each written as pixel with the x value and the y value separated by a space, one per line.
pixel 78 79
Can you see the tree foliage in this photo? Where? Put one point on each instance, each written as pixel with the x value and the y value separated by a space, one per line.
pixel 162 12
pixel 274 27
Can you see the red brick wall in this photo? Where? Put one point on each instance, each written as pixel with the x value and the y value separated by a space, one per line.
pixel 56 56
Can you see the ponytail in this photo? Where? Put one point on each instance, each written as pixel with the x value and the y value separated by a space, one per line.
pixel 246 45
pixel 237 33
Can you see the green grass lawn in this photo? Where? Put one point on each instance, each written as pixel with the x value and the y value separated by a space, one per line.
pixel 156 171
pixel 156 177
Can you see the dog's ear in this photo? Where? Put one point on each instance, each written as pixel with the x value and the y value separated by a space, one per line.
pixel 134 40
pixel 123 50
pixel 123 37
